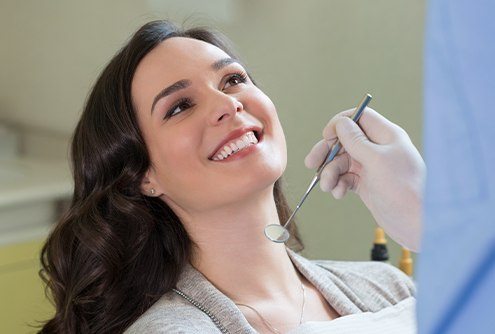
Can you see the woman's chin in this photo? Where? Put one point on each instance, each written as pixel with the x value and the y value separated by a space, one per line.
pixel 241 185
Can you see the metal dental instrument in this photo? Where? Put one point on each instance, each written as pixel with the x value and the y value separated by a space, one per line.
pixel 280 233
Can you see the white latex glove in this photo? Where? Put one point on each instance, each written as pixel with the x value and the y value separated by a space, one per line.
pixel 380 164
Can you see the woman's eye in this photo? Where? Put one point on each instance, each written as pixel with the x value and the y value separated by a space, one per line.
pixel 178 107
pixel 237 78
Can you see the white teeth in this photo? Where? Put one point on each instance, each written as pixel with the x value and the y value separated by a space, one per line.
pixel 246 140
pixel 240 143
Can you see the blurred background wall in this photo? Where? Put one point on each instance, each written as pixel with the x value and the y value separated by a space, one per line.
pixel 313 58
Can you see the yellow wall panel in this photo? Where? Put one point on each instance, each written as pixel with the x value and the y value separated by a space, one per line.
pixel 22 298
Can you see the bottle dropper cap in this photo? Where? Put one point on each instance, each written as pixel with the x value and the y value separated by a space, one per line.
pixel 380 236
pixel 406 262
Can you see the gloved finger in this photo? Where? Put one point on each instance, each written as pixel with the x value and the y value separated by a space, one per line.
pixel 375 126
pixel 329 132
pixel 346 182
pixel 354 140
pixel 332 172
pixel 317 154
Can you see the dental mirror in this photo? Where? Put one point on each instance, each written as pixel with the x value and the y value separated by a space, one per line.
pixel 280 233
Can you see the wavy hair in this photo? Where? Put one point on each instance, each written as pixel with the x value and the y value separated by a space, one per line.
pixel 115 252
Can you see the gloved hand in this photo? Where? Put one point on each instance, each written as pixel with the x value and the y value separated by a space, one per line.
pixel 379 163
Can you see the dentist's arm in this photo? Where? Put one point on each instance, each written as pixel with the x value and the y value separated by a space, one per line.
pixel 380 164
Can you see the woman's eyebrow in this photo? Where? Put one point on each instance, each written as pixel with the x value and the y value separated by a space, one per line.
pixel 219 64
pixel 184 83
pixel 181 84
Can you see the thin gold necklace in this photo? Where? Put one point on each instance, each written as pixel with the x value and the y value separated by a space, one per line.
pixel 267 323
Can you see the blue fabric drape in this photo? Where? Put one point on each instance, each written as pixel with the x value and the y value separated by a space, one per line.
pixel 456 270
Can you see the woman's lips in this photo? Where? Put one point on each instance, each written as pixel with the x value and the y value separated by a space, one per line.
pixel 243 152
pixel 234 135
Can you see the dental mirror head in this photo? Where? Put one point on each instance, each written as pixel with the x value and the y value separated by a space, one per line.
pixel 277 233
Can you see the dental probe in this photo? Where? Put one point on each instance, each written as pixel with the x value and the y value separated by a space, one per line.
pixel 279 233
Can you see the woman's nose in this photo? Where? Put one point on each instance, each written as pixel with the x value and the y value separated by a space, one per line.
pixel 224 106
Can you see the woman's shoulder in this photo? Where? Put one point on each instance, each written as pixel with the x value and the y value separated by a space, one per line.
pixel 371 280
pixel 172 314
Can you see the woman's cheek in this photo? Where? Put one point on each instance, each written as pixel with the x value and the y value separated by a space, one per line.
pixel 174 155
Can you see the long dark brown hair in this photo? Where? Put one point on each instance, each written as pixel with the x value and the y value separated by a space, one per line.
pixel 115 252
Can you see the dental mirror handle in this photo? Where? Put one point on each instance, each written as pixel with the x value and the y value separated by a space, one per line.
pixel 279 233
pixel 330 156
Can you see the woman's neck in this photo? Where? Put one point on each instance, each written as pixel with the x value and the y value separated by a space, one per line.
pixel 233 253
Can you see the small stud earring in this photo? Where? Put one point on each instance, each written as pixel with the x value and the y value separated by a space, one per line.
pixel 152 191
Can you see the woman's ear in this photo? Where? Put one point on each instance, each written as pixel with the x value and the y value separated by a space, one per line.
pixel 149 185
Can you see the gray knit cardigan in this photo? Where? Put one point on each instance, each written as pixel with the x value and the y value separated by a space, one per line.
pixel 196 306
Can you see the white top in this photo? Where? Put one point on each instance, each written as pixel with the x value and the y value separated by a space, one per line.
pixel 400 318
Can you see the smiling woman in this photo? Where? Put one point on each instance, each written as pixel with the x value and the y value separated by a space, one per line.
pixel 177 162
pixel 120 246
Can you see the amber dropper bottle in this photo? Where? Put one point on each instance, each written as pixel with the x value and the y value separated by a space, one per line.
pixel 379 252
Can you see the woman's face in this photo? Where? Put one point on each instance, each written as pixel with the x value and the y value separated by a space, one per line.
pixel 191 101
